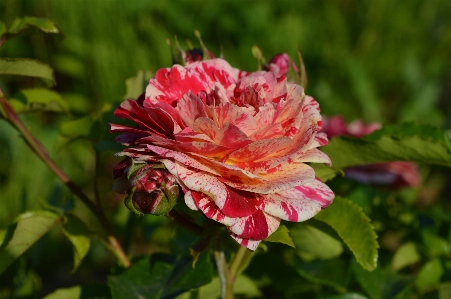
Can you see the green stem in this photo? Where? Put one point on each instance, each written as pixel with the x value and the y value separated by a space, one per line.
pixel 237 262
pixel 40 151
pixel 223 271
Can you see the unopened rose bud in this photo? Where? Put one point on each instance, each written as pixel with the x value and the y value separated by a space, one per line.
pixel 280 64
pixel 194 55
pixel 152 190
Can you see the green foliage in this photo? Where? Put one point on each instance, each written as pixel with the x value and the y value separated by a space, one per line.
pixel 388 63
pixel 161 276
pixel 28 228
pixel 281 235
pixel 382 283
pixel 332 273
pixel 26 67
pixel 312 243
pixel 32 100
pixel 79 235
pixel 354 227
pixel 429 275
pixel 406 255
pixel 81 292
pixel 406 142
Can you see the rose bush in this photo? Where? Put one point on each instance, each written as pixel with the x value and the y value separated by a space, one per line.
pixel 236 142
pixel 395 174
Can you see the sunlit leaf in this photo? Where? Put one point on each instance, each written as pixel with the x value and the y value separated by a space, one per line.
pixel 312 243
pixel 38 100
pixel 325 173
pixel 161 276
pixel 281 235
pixel 354 227
pixel 429 275
pixel 79 235
pixel 406 142
pixel 26 67
pixel 329 272
pixel 28 228
pixel 42 24
pixel 406 255
pixel 81 292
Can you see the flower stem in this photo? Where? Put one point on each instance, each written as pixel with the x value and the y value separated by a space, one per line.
pixel 40 151
pixel 223 271
pixel 237 262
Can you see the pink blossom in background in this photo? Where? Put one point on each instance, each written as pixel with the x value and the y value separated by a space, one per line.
pixel 396 174
pixel 235 142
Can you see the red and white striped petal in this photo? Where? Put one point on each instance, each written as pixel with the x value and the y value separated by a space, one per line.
pixel 233 203
pixel 209 208
pixel 314 156
pixel 190 107
pixel 261 149
pixel 276 179
pixel 257 226
pixel 249 244
pixel 237 116
pixel 299 203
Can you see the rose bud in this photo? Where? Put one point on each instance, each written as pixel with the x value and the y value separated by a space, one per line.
pixel 194 55
pixel 280 64
pixel 153 190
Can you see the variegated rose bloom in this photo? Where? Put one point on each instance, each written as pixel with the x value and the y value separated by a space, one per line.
pixel 236 142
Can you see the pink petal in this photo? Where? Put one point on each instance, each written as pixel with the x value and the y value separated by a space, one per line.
pixel 233 203
pixel 207 149
pixel 299 203
pixel 190 108
pixel 170 84
pixel 257 226
pixel 250 244
pixel 264 83
pixel 237 116
pixel 209 208
pixel 276 179
pixel 314 156
pixel 262 149
pixel 131 110
pixel 229 135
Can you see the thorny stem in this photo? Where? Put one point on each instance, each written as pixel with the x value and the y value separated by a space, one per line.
pixel 41 152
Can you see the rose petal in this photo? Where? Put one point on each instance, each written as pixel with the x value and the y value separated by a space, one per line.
pixel 250 244
pixel 233 203
pixel 257 226
pixel 299 203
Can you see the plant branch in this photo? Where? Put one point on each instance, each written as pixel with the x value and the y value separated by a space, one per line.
pixel 12 117
pixel 223 271
pixel 237 262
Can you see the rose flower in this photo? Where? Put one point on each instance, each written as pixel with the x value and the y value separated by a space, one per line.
pixel 395 174
pixel 237 143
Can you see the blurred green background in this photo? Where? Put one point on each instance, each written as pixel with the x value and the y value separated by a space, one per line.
pixel 383 60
